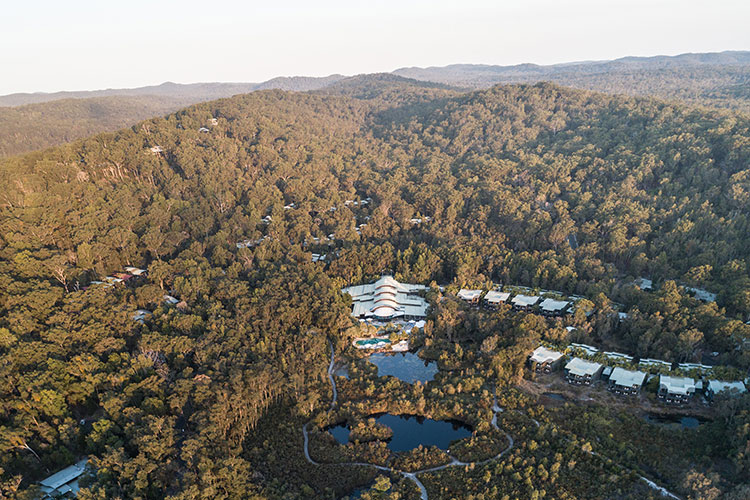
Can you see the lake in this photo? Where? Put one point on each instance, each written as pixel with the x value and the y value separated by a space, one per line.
pixel 410 431
pixel 405 366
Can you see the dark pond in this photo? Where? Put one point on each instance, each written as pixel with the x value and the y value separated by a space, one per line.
pixel 686 422
pixel 410 431
pixel 405 366
pixel 555 395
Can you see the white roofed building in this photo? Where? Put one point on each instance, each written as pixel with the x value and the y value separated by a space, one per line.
pixel 582 372
pixel 524 302
pixel 617 356
pixel 64 482
pixel 590 350
pixel 387 299
pixel 658 363
pixel 675 389
pixel 552 307
pixel 545 360
pixel 716 386
pixel 470 296
pixel 622 381
pixel 493 298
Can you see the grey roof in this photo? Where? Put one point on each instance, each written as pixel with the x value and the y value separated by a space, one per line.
pixel 627 378
pixel 58 480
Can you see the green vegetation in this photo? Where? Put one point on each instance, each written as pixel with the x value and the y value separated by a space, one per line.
pixel 207 398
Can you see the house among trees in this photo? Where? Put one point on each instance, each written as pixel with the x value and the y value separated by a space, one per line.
pixel 675 389
pixel 387 299
pixel 552 307
pixel 135 271
pixel 524 302
pixel 627 382
pixel 545 360
pixel 493 298
pixel 582 372
pixel 717 386
pixel 701 294
pixel 470 296
pixel 64 482
pixel 644 284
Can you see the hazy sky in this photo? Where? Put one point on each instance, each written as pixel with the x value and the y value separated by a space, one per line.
pixel 50 45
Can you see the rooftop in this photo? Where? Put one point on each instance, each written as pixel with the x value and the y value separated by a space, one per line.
pixel 677 385
pixel 627 378
pixel 581 367
pixel 717 386
pixel 57 482
pixel 543 355
pixel 525 300
pixel 494 296
pixel 467 294
pixel 553 305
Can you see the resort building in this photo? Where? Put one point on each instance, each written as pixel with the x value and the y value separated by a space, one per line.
pixel 524 302
pixel 695 366
pixel 622 381
pixel 617 356
pixel 552 307
pixel 493 299
pixel 581 372
pixel 386 300
pixel 545 360
pixel 658 363
pixel 470 296
pixel 590 350
pixel 64 482
pixel 716 386
pixel 675 389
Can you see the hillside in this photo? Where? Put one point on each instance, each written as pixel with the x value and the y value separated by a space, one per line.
pixel 712 79
pixel 30 122
pixel 224 203
pixel 39 126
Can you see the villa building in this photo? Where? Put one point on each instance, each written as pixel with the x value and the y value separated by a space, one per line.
pixel 581 372
pixel 387 299
pixel 471 297
pixel 493 299
pixel 552 307
pixel 545 360
pixel 716 386
pixel 675 389
pixel 524 302
pixel 627 382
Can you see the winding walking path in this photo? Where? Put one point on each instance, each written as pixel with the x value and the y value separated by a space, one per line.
pixel 454 461
pixel 410 475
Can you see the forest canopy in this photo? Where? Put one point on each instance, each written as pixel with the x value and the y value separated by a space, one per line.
pixel 535 185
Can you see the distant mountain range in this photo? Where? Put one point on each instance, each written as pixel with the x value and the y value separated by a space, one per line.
pixel 30 121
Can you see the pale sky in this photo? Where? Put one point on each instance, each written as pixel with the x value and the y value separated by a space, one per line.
pixel 52 45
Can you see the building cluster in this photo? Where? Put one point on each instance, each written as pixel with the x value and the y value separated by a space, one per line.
pixel 387 300
pixel 672 389
pixel 520 302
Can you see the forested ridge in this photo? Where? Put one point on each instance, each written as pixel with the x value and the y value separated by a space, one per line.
pixel 206 399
